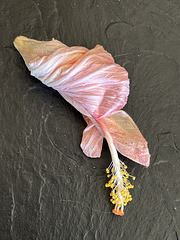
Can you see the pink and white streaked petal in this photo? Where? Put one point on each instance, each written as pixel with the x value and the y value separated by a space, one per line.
pixel 89 77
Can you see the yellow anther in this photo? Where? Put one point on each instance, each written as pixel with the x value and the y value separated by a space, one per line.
pixel 122 191
pixel 120 194
pixel 113 177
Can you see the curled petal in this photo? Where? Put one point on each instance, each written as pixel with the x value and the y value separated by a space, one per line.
pixel 88 78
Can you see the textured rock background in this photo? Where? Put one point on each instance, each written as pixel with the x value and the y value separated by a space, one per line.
pixel 48 189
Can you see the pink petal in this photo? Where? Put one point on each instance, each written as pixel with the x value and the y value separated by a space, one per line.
pixel 89 79
pixel 92 140
pixel 127 138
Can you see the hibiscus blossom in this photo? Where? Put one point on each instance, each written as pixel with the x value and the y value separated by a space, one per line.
pixel 97 87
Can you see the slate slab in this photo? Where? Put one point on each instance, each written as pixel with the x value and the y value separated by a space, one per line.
pixel 49 189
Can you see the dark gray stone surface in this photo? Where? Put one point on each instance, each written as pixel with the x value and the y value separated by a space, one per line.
pixel 48 189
